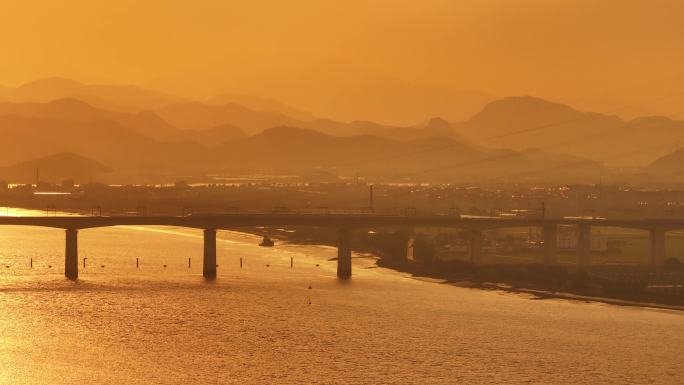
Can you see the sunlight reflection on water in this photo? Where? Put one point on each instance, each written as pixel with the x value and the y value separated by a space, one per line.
pixel 262 324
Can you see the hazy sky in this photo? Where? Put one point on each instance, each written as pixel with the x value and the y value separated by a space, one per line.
pixel 354 57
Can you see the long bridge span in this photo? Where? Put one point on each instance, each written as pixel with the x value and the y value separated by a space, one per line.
pixel 346 223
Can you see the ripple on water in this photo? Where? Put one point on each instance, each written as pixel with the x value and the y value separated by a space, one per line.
pixel 258 325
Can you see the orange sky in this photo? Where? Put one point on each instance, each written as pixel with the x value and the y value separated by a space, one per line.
pixel 351 58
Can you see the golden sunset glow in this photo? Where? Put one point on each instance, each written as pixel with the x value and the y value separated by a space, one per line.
pixel 393 61
pixel 212 192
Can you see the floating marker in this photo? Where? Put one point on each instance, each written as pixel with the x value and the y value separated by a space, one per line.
pixel 137 263
pixel 32 263
pixel 241 262
pixel 291 262
pixel 189 264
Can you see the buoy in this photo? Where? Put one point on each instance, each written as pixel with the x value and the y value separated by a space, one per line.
pixel 310 287
pixel 267 265
pixel 49 266
pixel 102 266
pixel 316 265
pixel 164 265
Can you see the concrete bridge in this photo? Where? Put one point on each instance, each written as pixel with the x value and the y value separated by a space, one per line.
pixel 346 223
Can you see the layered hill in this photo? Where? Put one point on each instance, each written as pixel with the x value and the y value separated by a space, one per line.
pixel 516 136
pixel 256 103
pixel 298 150
pixel 199 116
pixel 111 143
pixel 72 110
pixel 281 149
pixel 55 168
pixel 668 167
pixel 112 97
pixel 525 122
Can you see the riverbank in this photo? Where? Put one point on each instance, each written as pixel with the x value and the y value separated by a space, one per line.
pixel 560 281
pixel 577 285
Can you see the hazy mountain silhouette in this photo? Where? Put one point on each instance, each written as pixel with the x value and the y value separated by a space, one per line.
pixel 670 166
pixel 389 100
pixel 256 103
pixel 358 127
pixel 212 137
pixel 55 168
pixel 276 149
pixel 111 143
pixel 529 132
pixel 145 122
pixel 113 97
pixel 526 122
pixel 199 116
pixel 298 150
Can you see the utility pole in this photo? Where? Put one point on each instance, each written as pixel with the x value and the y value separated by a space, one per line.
pixel 370 197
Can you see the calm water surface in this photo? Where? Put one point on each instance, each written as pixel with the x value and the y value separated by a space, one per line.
pixel 262 324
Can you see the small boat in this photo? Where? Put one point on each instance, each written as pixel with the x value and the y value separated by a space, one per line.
pixel 267 242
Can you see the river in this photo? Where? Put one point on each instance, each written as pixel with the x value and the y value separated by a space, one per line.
pixel 268 322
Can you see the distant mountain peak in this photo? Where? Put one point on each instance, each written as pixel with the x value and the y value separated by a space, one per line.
pixel 438 123
pixel 526 104
pixel 69 102
pixel 291 131
pixel 53 82
pixel 56 167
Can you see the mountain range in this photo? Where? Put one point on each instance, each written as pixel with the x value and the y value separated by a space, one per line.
pixel 526 122
pixel 144 133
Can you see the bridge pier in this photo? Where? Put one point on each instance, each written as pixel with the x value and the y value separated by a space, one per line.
pixel 344 265
pixel 71 254
pixel 209 268
pixel 550 238
pixel 475 247
pixel 658 251
pixel 584 245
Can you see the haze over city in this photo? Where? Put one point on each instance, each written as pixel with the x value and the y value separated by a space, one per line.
pixel 355 192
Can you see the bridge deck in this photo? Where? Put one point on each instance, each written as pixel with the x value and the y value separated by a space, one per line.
pixel 228 221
